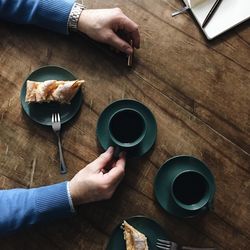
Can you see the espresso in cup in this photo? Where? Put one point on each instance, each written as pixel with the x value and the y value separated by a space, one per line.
pixel 190 190
pixel 127 128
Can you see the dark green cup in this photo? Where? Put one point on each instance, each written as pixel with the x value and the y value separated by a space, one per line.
pixel 191 191
pixel 184 186
pixel 127 125
pixel 127 129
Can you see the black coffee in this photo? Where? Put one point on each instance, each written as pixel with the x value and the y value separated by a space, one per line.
pixel 127 126
pixel 190 187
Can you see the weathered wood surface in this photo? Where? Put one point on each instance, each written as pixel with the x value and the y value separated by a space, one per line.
pixel 199 92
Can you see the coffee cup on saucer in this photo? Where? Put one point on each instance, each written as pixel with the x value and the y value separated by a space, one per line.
pixel 184 186
pixel 127 125
pixel 190 190
pixel 127 128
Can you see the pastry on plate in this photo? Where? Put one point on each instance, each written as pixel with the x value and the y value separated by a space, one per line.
pixel 52 91
pixel 134 239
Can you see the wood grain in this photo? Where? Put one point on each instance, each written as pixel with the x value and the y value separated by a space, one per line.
pixel 198 92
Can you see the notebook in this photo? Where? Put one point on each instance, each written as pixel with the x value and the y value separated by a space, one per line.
pixel 229 14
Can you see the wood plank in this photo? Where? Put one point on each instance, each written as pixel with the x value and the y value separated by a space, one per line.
pixel 75 233
pixel 27 239
pixel 7 183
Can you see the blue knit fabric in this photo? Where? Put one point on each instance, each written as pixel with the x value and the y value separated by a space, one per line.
pixel 49 14
pixel 24 207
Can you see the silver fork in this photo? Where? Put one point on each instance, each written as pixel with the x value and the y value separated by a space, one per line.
pixel 56 126
pixel 170 245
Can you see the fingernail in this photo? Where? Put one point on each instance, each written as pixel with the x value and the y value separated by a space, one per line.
pixel 122 154
pixel 129 51
pixel 110 150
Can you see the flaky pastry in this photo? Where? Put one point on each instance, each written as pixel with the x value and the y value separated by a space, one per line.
pixel 52 91
pixel 135 240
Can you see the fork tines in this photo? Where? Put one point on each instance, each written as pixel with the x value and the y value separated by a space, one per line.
pixel 56 117
pixel 166 245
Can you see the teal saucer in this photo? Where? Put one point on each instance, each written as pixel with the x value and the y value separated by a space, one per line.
pixel 167 173
pixel 41 112
pixel 103 134
pixel 151 229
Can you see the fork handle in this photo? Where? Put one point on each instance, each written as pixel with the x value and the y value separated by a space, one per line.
pixel 63 167
pixel 197 248
pixel 182 10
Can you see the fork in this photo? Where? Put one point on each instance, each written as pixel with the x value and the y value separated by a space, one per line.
pixel 170 245
pixel 56 126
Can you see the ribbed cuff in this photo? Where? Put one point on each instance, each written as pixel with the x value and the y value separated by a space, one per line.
pixel 53 14
pixel 52 202
pixel 70 199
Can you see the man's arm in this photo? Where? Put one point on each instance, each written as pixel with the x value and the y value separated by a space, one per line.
pixel 49 14
pixel 24 207
pixel 61 15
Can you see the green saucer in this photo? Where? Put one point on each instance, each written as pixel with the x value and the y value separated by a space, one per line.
pixel 103 134
pixel 165 176
pixel 151 229
pixel 41 112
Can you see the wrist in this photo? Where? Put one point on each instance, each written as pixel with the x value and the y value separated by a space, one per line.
pixel 84 19
pixel 73 193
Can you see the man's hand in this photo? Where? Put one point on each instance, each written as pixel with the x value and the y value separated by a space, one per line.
pixel 103 24
pixel 94 183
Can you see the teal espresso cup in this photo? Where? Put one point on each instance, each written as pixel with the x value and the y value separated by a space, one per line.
pixel 127 129
pixel 192 191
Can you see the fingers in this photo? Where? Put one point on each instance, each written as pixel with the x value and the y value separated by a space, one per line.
pixel 123 23
pixel 103 159
pixel 120 44
pixel 115 175
pixel 132 28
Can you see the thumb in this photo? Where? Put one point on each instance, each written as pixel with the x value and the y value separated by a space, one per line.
pixel 120 44
pixel 101 162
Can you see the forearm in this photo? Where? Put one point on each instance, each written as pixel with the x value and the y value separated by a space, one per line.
pixel 24 207
pixel 49 14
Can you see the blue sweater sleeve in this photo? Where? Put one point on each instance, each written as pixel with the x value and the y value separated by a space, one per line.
pixel 24 207
pixel 49 14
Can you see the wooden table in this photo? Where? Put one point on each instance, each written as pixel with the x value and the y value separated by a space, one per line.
pixel 199 92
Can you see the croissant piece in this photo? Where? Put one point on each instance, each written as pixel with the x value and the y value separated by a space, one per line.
pixel 135 240
pixel 52 91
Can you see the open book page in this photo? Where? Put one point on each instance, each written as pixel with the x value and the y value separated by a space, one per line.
pixel 229 14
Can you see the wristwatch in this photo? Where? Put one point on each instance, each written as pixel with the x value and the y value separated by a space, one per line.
pixel 74 16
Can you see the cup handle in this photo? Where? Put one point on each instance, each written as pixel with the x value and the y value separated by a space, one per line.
pixel 208 206
pixel 117 151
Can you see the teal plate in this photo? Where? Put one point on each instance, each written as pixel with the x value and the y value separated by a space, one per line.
pixel 102 130
pixel 151 229
pixel 41 112
pixel 165 176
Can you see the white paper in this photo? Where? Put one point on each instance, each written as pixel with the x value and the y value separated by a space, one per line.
pixel 229 14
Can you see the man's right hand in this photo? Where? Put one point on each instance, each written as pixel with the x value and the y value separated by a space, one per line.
pixel 93 183
pixel 103 24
